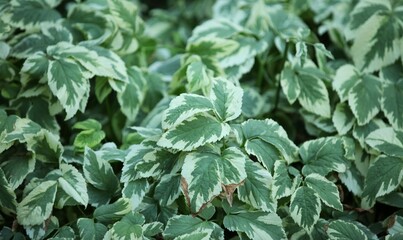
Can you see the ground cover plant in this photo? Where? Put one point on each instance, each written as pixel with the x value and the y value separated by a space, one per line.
pixel 226 119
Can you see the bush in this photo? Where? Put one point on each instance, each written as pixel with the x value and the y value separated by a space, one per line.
pixel 201 119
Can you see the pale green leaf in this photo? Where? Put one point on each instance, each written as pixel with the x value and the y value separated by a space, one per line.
pixel 90 230
pixel 323 155
pixel 193 133
pixel 343 230
pixel 305 207
pixel 114 211
pixel 256 225
pixel 383 176
pixel 226 98
pixel 290 84
pixel 252 102
pixel 73 183
pixel 326 190
pixel 37 206
pixel 256 188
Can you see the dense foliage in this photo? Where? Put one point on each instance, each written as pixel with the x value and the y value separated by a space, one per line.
pixel 227 119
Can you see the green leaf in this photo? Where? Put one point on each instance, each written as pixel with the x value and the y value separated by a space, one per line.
pixel 37 206
pixel 205 172
pixel 283 185
pixel 274 135
pixel 256 225
pixel 202 235
pixel 90 230
pixel 127 228
pixel 99 173
pixel 386 140
pixel 183 107
pixel 194 132
pixel 320 47
pixel 376 30
pixel 91 135
pixel 68 81
pixel 392 92
pixel 383 176
pixel 132 97
pixel 227 99
pixel 326 190
pixel 197 76
pixel 8 198
pixel 397 226
pixel 252 102
pixel 305 207
pixel 114 211
pixel 343 230
pixel 323 155
pixel 30 14
pixel 73 183
pixel 256 188
pixel 184 224
pixel 152 229
pixel 168 189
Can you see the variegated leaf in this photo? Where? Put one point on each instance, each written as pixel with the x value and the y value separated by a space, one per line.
pixel 90 230
pixel 113 212
pixel 386 140
pixel 256 225
pixel 123 13
pixel 344 80
pixel 274 135
pixel 193 133
pixel 30 14
pixel 226 98
pixel 99 173
pixel 364 98
pixel 212 47
pixel 343 119
pixel 205 173
pixel 131 98
pixel 45 146
pixel 305 207
pixel 290 84
pixel 135 191
pixel 183 107
pixel 184 224
pixel 391 103
pixel 323 155
pixel 155 163
pixel 8 199
pixel 256 188
pixel 343 230
pixel 68 81
pixel 376 30
pixel 283 185
pixel 16 169
pixel 326 190
pixel 383 176
pixel 152 229
pixel 135 154
pixel 361 132
pixel 73 183
pixel 197 76
pixel 252 102
pixel 168 189
pixel 37 206
pixel 129 227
